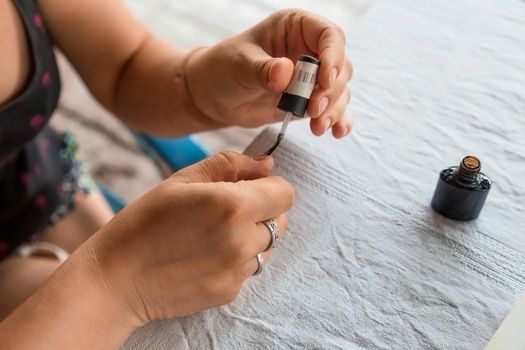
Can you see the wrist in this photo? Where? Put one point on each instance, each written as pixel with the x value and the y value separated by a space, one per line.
pixel 187 82
pixel 103 289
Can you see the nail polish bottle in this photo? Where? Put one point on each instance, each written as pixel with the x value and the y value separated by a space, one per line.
pixel 461 190
pixel 295 98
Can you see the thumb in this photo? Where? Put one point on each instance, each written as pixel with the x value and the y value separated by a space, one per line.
pixel 270 73
pixel 225 167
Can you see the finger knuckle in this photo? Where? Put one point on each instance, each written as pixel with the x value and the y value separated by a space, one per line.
pixel 236 251
pixel 258 67
pixel 166 191
pixel 228 161
pixel 236 57
pixel 231 209
pixel 218 204
pixel 228 202
pixel 291 11
pixel 288 190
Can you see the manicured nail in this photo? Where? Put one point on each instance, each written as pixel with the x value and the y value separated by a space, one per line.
pixel 332 76
pixel 323 104
pixel 260 157
pixel 327 124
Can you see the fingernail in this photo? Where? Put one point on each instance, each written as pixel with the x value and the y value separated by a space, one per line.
pixel 332 76
pixel 260 157
pixel 323 104
pixel 327 124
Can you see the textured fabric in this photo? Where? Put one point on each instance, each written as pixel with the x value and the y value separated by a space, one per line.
pixel 40 170
pixel 367 264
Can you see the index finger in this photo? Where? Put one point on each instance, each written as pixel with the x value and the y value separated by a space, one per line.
pixel 225 166
pixel 328 41
pixel 267 197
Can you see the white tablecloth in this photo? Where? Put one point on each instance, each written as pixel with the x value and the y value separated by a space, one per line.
pixel 367 264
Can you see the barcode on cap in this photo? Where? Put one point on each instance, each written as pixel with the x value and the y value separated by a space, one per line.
pixel 303 81
pixel 306 77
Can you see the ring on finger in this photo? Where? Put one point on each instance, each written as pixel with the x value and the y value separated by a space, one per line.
pixel 260 262
pixel 273 227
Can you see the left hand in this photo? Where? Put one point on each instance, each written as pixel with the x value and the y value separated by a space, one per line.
pixel 239 81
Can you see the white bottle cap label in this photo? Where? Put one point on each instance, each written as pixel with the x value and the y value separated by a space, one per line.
pixel 303 81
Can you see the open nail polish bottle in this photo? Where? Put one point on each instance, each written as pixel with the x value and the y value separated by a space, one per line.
pixel 461 190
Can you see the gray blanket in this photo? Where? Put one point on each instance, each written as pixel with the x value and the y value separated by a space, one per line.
pixel 367 264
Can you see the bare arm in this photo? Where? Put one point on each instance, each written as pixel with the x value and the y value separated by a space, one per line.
pixel 131 72
pixel 141 78
pixel 70 311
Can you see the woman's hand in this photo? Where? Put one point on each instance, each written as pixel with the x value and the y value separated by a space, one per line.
pixel 187 245
pixel 190 243
pixel 239 81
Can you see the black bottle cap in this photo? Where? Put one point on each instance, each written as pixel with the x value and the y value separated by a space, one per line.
pixel 295 98
pixel 294 104
pixel 310 59
pixel 461 190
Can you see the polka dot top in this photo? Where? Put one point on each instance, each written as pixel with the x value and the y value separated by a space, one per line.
pixel 29 172
pixel 24 117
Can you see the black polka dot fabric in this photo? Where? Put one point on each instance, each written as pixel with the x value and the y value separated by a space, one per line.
pixel 31 173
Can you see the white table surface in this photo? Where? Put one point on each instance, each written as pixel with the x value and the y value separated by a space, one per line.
pixel 367 264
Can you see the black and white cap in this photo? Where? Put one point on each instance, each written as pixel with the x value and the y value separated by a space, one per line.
pixel 296 96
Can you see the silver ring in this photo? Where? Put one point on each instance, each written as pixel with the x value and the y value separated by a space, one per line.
pixel 272 226
pixel 260 262
pixel 29 249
